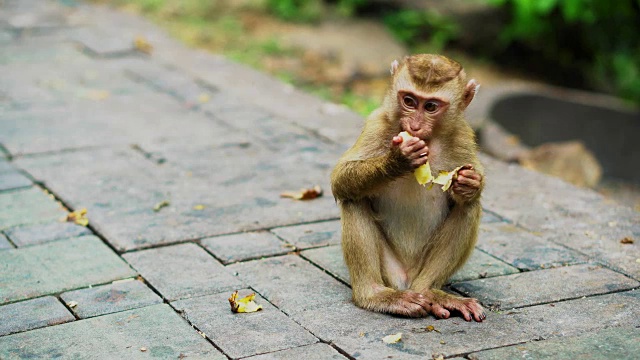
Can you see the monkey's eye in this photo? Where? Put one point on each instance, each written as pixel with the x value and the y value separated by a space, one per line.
pixel 431 106
pixel 410 102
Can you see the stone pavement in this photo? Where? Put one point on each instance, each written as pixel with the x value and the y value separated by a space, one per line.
pixel 87 121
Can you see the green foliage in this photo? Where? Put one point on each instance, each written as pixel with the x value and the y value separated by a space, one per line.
pixel 297 10
pixel 412 27
pixel 599 36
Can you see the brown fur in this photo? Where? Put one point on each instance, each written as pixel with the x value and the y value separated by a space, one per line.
pixel 390 273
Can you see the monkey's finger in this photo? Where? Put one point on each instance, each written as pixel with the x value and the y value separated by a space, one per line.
pixel 463 180
pixel 397 140
pixel 470 174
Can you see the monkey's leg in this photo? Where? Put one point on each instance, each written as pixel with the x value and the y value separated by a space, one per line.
pixel 362 244
pixel 449 249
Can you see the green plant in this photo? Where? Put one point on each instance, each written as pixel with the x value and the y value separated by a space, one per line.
pixel 412 27
pixel 601 38
pixel 297 10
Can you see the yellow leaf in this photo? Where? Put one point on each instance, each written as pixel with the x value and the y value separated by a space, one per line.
pixel 244 305
pixel 423 173
pixel 72 304
pixel 445 178
pixel 392 339
pixel 97 94
pixel 203 98
pixel 198 207
pixel 142 45
pixel 78 216
pixel 160 205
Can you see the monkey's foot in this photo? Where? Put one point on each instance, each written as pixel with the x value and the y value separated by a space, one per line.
pixel 399 302
pixel 441 305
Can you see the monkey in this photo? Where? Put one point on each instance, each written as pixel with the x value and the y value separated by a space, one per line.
pixel 400 241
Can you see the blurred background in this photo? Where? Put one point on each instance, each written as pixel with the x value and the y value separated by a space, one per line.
pixel 582 57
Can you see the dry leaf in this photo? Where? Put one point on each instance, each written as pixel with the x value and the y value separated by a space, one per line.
pixel 160 205
pixel 198 207
pixel 203 98
pixel 304 194
pixel 423 173
pixel 97 94
pixel 78 217
pixel 72 304
pixel 143 349
pixel 392 339
pixel 424 176
pixel 430 328
pixel 142 45
pixel 626 240
pixel 244 305
pixel 442 342
pixel 445 178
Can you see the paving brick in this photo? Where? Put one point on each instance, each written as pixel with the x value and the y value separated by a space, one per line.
pixel 118 296
pixel 241 335
pixel 14 180
pixel 542 286
pixel 58 266
pixel 481 265
pixel 308 352
pixel 32 314
pixel 156 328
pixel 330 259
pixel 244 246
pixel 182 271
pixel 603 243
pixel 41 233
pixel 489 217
pixel 544 209
pixel 4 243
pixel 362 334
pixel 101 42
pixel 121 200
pixel 311 235
pixel 5 166
pixel 26 207
pixel 523 249
pixel 292 284
pixel 615 343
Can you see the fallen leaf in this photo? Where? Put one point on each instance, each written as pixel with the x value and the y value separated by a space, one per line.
pixel 72 304
pixel 143 349
pixel 626 240
pixel 78 217
pixel 203 98
pixel 160 205
pixel 97 94
pixel 392 339
pixel 442 342
pixel 431 328
pixel 303 194
pixel 244 305
pixel 438 357
pixel 198 207
pixel 142 45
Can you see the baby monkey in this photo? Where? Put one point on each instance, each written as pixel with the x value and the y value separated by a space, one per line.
pixel 401 241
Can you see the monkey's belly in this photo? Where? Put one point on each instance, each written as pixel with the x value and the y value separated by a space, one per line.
pixel 408 214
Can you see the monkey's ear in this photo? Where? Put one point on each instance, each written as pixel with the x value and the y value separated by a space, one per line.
pixel 394 66
pixel 470 91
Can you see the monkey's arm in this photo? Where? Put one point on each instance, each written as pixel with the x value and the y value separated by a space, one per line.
pixel 356 179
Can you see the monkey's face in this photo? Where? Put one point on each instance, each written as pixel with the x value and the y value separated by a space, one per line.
pixel 421 113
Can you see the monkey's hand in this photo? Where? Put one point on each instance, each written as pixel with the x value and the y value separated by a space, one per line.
pixel 414 151
pixel 467 184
